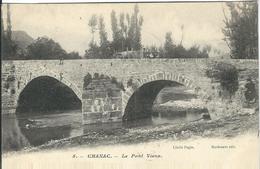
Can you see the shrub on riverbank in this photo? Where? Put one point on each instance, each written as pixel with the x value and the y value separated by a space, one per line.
pixel 225 74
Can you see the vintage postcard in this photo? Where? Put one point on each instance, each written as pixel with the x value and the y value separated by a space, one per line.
pixel 169 85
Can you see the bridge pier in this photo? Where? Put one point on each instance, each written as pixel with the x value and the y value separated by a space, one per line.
pixel 101 101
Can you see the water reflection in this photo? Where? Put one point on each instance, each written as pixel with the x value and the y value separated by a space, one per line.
pixel 23 130
pixel 20 132
pixel 104 127
pixel 178 117
pixel 12 137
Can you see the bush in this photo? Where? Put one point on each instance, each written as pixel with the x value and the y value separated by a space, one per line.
pixel 118 84
pixel 87 80
pixel 227 75
pixel 96 76
pixel 129 82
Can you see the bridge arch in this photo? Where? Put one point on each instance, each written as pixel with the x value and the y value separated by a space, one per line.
pixel 24 79
pixel 47 94
pixel 146 88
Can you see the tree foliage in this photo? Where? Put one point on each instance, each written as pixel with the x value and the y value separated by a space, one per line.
pixel 126 34
pixel 226 74
pixel 73 55
pixel 42 48
pixel 168 45
pixel 45 48
pixel 93 52
pixel 8 47
pixel 105 46
pixel 93 25
pixel 115 31
pixel 171 50
pixel 126 39
pixel 135 29
pixel 240 30
pixel 103 50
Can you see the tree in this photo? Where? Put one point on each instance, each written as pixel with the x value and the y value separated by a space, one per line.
pixel 8 47
pixel 127 29
pixel 170 50
pixel 240 30
pixel 126 34
pixel 102 31
pixel 45 48
pixel 2 29
pixel 73 55
pixel 195 52
pixel 123 32
pixel 161 52
pixel 105 48
pixel 135 29
pixel 168 45
pixel 182 34
pixel 180 51
pixel 93 24
pixel 115 32
pixel 92 52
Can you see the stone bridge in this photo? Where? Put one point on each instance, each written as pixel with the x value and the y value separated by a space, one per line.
pixel 106 87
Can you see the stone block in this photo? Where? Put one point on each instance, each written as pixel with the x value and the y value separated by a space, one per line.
pixel 91 118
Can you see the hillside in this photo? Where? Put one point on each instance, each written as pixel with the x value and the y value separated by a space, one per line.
pixel 22 39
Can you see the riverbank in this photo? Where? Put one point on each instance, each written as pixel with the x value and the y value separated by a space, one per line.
pixel 228 127
pixel 239 153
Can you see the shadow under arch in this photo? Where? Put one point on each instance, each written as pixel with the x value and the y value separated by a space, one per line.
pixel 39 110
pixel 44 94
pixel 140 104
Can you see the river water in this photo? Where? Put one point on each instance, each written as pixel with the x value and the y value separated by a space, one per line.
pixel 34 129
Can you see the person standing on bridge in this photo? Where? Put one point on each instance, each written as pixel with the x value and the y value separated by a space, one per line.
pixel 61 60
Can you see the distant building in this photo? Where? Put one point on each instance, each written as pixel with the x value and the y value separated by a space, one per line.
pixel 148 53
pixel 129 55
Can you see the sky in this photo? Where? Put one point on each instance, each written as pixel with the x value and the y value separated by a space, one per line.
pixel 67 24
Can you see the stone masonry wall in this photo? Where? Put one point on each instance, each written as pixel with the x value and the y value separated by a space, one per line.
pixel 8 89
pixel 101 101
pixel 72 73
